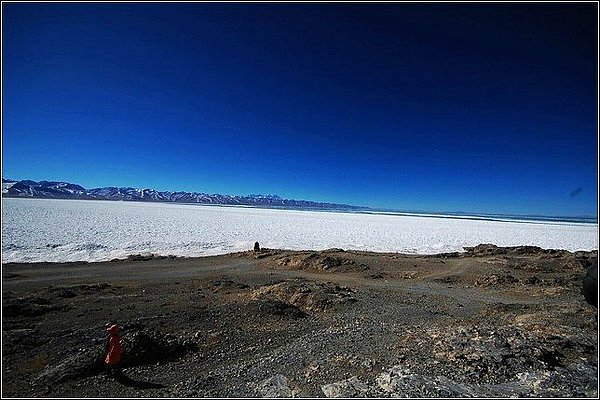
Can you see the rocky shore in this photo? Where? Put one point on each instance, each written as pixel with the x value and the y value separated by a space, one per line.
pixel 489 322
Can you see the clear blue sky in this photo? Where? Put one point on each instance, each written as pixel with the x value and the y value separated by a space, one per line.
pixel 436 107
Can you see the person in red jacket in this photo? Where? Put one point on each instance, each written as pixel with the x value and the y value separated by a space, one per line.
pixel 113 358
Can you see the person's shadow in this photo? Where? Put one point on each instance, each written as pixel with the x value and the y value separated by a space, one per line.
pixel 127 381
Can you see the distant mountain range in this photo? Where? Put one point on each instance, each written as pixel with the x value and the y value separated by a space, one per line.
pixel 65 190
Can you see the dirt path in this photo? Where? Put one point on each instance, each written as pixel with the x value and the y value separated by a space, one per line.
pixel 279 323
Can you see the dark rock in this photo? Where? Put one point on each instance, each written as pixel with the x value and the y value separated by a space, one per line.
pixel 256 246
pixel 78 364
pixel 590 286
pixel 140 257
pixel 400 381
pixel 278 307
pixel 150 347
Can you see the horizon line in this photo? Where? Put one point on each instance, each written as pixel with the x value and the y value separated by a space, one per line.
pixel 370 208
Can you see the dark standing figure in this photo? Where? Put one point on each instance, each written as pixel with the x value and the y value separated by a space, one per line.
pixel 256 246
pixel 113 356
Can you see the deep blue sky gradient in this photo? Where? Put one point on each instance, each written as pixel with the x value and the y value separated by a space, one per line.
pixel 436 107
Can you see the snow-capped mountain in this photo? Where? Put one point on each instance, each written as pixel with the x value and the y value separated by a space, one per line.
pixel 65 190
pixel 6 184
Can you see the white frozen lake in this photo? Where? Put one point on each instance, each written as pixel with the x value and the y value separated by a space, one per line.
pixel 74 230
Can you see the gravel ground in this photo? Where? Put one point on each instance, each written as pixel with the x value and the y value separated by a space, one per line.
pixel 491 322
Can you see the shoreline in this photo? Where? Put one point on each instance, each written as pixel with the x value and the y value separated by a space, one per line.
pixel 156 257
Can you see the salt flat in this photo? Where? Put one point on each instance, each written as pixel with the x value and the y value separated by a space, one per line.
pixel 72 230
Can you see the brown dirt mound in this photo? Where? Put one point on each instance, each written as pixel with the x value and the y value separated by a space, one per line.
pixel 308 296
pixel 323 262
pixel 491 249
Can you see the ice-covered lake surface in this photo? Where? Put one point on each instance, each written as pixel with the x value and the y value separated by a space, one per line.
pixel 82 230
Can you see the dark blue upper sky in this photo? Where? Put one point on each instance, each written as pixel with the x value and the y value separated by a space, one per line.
pixel 437 107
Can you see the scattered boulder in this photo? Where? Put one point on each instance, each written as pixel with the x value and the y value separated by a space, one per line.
pixel 579 381
pixel 494 354
pixel 351 387
pixel 80 364
pixel 399 381
pixel 278 386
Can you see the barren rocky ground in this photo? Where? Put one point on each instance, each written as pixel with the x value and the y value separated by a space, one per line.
pixel 491 321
